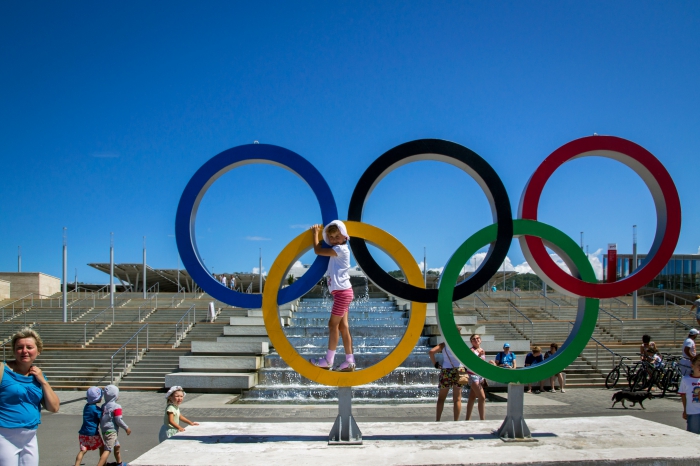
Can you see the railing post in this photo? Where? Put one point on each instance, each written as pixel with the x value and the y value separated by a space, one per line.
pixel 85 334
pixel 596 356
pixel 111 358
pixel 148 347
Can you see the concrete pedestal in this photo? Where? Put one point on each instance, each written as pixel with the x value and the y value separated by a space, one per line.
pixel 565 442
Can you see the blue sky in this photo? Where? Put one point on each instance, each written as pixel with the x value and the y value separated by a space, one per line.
pixel 108 109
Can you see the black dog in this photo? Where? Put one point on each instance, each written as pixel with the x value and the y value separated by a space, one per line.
pixel 634 397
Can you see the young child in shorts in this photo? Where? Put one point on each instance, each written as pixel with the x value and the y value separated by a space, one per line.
pixel 171 421
pixel 89 433
pixel 336 235
pixel 690 396
pixel 110 421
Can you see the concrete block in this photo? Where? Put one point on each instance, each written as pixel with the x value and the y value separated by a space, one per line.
pixel 212 382
pixel 244 339
pixel 256 321
pixel 23 283
pixel 229 347
pixel 585 441
pixel 459 320
pixel 5 289
pixel 220 363
pixel 245 330
pixel 258 313
pixel 247 321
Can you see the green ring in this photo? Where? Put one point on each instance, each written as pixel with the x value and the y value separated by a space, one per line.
pixel 586 317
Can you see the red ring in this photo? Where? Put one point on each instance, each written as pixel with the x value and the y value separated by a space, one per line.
pixel 666 200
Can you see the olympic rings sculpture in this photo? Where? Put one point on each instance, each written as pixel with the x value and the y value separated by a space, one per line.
pixel 533 237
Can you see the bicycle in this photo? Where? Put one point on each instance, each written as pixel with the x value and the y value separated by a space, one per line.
pixel 614 375
pixel 672 376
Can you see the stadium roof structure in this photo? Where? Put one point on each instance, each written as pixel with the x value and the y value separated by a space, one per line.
pixel 170 280
pixel 131 277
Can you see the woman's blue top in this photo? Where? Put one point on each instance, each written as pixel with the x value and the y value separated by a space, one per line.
pixel 20 401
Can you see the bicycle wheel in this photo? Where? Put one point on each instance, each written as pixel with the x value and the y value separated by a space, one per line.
pixel 612 378
pixel 641 380
pixel 674 381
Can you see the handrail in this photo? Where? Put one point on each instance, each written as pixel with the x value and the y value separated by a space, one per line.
pixel 622 322
pixel 532 327
pixel 554 303
pixel 665 293
pixel 95 324
pixel 607 349
pixel 101 290
pixel 680 308
pixel 137 357
pixel 681 323
pixel 517 296
pixel 13 306
pixel 191 315
pixel 476 296
pixel 156 286
pixel 250 288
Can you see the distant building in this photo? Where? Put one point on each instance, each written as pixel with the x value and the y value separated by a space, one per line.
pixel 681 273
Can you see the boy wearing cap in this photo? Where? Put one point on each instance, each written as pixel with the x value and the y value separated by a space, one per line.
pixel 110 421
pixel 89 434
pixel 688 351
pixel 505 358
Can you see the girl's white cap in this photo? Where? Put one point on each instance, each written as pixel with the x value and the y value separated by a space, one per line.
pixel 174 389
pixel 341 227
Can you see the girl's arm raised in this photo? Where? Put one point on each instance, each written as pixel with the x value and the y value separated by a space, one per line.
pixel 432 352
pixel 318 249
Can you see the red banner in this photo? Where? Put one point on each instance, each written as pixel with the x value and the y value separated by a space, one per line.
pixel 612 262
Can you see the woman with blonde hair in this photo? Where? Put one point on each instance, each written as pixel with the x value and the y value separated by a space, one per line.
pixel 23 390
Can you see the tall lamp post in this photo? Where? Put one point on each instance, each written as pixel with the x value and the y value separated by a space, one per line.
pixel 144 268
pixel 65 275
pixel 111 270
pixel 634 267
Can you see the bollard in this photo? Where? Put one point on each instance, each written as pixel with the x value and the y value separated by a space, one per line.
pixel 345 430
pixel 514 428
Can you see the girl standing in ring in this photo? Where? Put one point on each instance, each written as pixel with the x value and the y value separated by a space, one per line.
pixel 339 285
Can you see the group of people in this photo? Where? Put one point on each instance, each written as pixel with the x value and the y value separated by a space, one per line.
pixel 25 391
pixel 451 369
pixel 229 281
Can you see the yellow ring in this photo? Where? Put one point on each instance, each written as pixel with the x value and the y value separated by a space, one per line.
pixel 286 258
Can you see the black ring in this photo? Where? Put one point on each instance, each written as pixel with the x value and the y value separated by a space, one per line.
pixel 468 161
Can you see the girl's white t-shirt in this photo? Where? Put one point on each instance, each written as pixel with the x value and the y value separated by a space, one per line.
pixel 691 387
pixel 338 267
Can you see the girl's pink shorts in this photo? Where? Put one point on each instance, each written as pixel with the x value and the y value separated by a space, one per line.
pixel 341 301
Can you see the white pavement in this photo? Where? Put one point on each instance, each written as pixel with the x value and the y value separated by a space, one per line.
pixel 618 440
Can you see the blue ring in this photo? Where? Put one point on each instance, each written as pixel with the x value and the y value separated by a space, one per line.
pixel 198 186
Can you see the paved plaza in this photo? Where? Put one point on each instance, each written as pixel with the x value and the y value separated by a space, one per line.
pixel 143 411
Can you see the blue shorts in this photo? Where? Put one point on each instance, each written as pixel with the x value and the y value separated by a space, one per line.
pixel 693 423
